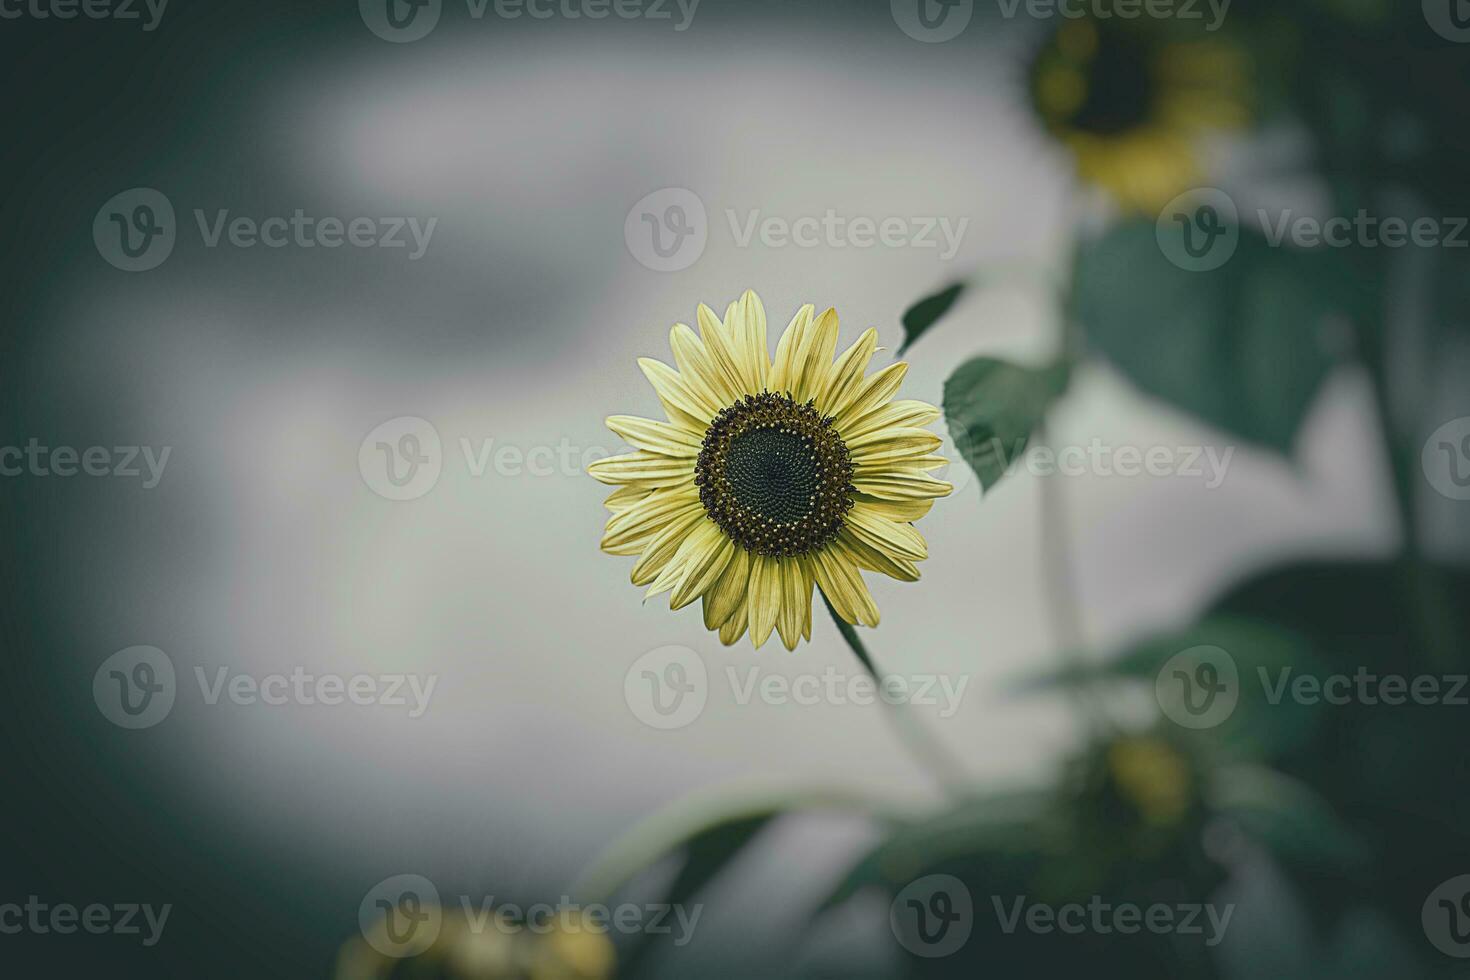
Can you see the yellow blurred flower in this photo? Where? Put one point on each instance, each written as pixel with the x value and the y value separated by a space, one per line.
pixel 1153 777
pixel 1132 105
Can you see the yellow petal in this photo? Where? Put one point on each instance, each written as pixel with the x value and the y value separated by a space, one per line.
pixel 734 627
pixel 903 511
pixel 645 468
pixel 814 357
pixel 684 407
pixel 846 375
pixel 625 496
pixel 838 577
pixel 796 600
pixel 876 561
pixel 875 391
pixel 765 597
pixel 785 368
pixel 659 548
pixel 889 537
pixel 655 437
pixel 905 413
pixel 888 444
pixel 895 484
pixel 721 600
pixel 698 368
pixel 709 553
pixel 750 323
pixel 647 517
pixel 722 351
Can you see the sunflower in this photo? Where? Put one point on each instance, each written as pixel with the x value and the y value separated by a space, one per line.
pixel 1132 104
pixel 771 477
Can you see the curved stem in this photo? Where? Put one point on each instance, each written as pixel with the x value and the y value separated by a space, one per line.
pixel 940 763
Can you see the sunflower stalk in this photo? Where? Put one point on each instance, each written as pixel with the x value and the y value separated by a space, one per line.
pixel 937 760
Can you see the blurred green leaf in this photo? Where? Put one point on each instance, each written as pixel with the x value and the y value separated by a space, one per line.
pixel 993 407
pixel 993 825
pixel 1296 824
pixel 1243 346
pixel 922 315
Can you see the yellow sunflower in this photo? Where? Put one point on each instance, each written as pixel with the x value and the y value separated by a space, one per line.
pixel 770 477
pixel 1132 104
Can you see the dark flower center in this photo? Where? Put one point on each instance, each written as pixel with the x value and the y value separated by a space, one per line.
pixel 1119 88
pixel 774 475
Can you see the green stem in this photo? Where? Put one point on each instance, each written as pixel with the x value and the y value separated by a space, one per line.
pixel 940 763
pixel 1061 588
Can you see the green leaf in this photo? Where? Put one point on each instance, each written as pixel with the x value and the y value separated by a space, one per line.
pixel 1244 346
pixel 922 315
pixel 1295 823
pixel 992 408
pixel 1000 827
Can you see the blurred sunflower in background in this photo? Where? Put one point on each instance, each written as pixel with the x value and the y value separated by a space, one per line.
pixel 1132 103
pixel 567 948
pixel 771 477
